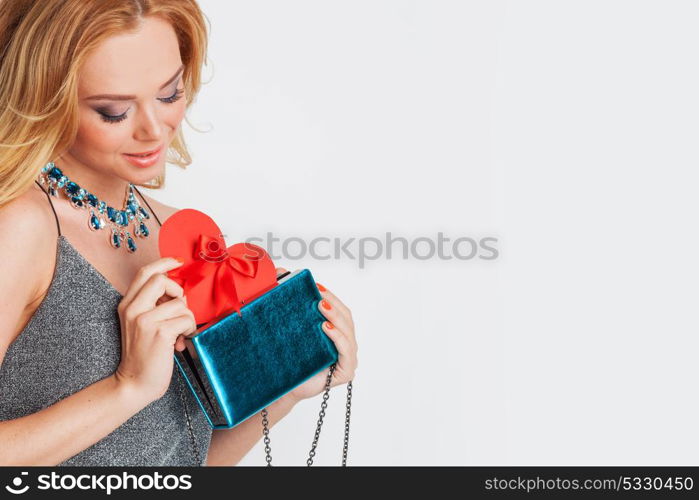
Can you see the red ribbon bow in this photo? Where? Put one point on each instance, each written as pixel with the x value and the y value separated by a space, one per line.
pixel 216 280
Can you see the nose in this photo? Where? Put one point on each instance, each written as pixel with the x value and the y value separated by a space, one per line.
pixel 149 126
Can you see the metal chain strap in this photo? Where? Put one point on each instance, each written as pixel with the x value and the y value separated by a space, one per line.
pixel 321 415
pixel 347 422
pixel 265 425
pixel 323 406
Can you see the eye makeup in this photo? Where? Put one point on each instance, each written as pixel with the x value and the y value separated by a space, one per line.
pixel 117 118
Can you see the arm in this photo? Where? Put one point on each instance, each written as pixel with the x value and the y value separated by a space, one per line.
pixel 229 446
pixel 59 431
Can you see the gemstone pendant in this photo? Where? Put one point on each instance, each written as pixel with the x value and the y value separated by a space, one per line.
pixel 95 223
pixel 115 239
pixel 120 218
pixel 130 244
pixel 141 230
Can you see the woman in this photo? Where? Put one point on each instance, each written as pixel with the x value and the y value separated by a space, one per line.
pixel 88 330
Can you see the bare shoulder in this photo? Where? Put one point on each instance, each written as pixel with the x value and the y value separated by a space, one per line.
pixel 162 210
pixel 30 221
pixel 27 258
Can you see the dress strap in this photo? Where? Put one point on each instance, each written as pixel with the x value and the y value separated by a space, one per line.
pixel 58 225
pixel 148 205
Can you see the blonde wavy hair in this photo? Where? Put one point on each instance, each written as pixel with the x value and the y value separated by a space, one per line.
pixel 43 44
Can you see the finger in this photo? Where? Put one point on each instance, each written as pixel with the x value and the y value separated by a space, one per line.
pixel 174 327
pixel 166 298
pixel 334 300
pixel 346 353
pixel 153 289
pixel 162 265
pixel 179 343
pixel 170 309
pixel 335 316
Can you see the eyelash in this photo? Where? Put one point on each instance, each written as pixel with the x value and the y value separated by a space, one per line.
pixel 168 100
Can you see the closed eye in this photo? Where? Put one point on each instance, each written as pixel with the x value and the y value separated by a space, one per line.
pixel 168 100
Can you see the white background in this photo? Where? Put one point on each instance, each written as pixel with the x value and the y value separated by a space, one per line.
pixel 568 130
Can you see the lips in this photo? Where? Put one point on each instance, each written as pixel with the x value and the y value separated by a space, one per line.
pixel 146 161
pixel 145 153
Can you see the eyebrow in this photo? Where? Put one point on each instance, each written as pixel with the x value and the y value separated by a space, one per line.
pixel 117 97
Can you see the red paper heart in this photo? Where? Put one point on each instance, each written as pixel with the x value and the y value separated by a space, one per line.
pixel 216 280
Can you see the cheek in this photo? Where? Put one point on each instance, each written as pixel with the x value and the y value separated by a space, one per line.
pixel 96 136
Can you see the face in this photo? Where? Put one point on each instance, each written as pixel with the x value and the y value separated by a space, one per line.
pixel 131 100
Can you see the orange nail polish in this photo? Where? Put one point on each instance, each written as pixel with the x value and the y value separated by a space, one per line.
pixel 321 287
pixel 325 304
pixel 329 325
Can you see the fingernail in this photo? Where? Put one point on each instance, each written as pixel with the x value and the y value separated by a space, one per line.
pixel 325 304
pixel 178 259
pixel 321 287
pixel 329 325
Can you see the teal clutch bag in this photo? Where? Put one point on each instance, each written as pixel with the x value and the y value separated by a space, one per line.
pixel 243 363
pixel 258 335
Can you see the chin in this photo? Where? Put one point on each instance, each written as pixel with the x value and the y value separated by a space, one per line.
pixel 142 176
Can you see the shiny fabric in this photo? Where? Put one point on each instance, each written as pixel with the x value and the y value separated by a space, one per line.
pixel 241 364
pixel 73 340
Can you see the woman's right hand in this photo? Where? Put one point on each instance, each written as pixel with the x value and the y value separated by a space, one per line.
pixel 153 315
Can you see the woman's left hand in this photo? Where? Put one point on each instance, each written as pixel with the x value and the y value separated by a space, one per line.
pixel 340 329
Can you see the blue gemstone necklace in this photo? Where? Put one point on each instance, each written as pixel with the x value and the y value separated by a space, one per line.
pixel 101 215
